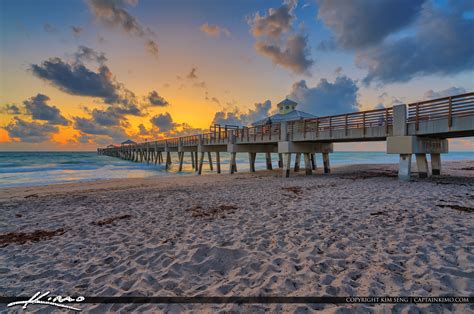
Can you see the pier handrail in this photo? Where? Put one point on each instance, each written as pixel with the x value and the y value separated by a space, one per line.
pixel 354 120
pixel 440 108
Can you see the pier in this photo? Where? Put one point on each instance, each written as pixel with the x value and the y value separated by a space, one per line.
pixel 419 128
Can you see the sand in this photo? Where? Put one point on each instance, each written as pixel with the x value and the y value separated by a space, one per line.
pixel 358 231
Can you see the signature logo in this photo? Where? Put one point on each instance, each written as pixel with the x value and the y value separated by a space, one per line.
pixel 57 301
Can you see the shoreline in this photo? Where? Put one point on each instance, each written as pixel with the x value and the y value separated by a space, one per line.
pixel 358 231
pixel 99 184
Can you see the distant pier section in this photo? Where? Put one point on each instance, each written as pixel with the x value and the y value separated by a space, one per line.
pixel 419 128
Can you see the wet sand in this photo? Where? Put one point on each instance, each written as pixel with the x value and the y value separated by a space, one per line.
pixel 358 231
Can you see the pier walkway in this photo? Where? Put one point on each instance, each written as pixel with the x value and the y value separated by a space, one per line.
pixel 419 128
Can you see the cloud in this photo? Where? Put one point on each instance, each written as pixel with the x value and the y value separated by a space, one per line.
pixel 76 31
pixel 201 84
pixel 30 132
pixel 152 47
pixel 76 79
pixel 90 127
pixel 163 126
pixel 385 101
pixel 108 124
pixel 214 30
pixel 277 40
pixel 192 74
pixel 39 109
pixel 112 13
pixel 156 100
pixel 11 109
pixel 164 122
pixel 326 98
pixel 108 117
pixel 275 24
pixel 88 54
pixel 235 117
pixel 361 23
pixel 441 45
pixel 49 28
pixel 431 94
pixel 293 55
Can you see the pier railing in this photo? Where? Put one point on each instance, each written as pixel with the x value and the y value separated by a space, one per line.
pixel 370 124
pixel 261 133
pixel 356 120
pixel 441 108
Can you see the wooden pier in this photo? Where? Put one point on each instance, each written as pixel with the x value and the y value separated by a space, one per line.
pixel 419 128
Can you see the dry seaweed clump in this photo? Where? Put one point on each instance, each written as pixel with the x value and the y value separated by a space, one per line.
pixel 110 220
pixel 24 237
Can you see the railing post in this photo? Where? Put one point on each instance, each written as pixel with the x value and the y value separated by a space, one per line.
pixel 386 120
pixel 330 126
pixel 363 122
pixel 270 132
pixel 346 124
pixel 284 131
pixel 317 127
pixel 450 113
pixel 417 125
pixel 304 129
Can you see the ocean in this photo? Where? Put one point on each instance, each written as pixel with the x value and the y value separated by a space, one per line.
pixel 41 168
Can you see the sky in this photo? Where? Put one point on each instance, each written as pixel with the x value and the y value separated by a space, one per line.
pixel 81 74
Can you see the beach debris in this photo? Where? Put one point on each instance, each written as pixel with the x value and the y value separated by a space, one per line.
pixel 369 175
pixel 377 213
pixel 31 195
pixel 18 215
pixel 212 212
pixel 23 237
pixel 457 207
pixel 110 220
pixel 468 168
pixel 295 189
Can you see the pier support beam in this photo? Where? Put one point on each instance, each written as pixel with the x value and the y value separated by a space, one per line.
pixel 280 160
pixel 168 160
pixel 201 160
pixel 404 170
pixel 405 146
pixel 308 164
pixel 297 162
pixel 436 164
pixel 327 166
pixel 422 165
pixel 286 164
pixel 192 160
pixel 252 157
pixel 268 159
pixel 218 162
pixel 181 158
pixel 209 156
pixel 232 166
pixel 313 161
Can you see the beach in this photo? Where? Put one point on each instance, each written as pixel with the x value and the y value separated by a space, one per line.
pixel 358 231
